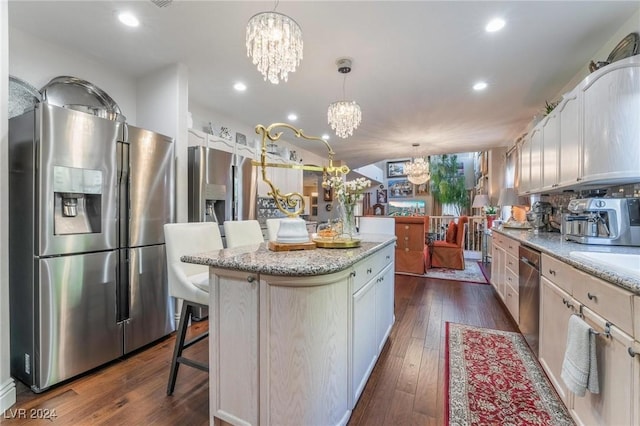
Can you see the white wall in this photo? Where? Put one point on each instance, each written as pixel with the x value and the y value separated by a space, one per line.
pixel 7 385
pixel 162 99
pixel 37 61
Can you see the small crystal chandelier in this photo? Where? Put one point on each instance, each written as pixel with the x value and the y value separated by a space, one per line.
pixel 274 43
pixel 344 116
pixel 417 170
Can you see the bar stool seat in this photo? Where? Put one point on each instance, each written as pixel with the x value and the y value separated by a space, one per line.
pixel 242 233
pixel 188 282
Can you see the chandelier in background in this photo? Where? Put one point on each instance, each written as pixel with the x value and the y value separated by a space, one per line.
pixel 344 116
pixel 417 171
pixel 274 43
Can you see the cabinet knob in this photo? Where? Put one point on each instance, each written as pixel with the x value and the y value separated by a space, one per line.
pixel 251 278
pixel 552 272
pixel 368 270
pixel 388 257
pixel 592 296
pixel 632 353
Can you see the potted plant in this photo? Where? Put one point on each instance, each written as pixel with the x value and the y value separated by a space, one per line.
pixel 491 212
pixel 447 184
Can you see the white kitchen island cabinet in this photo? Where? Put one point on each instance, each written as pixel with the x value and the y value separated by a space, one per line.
pixel 294 335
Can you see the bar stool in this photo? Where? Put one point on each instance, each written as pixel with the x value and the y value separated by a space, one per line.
pixel 188 282
pixel 242 233
pixel 273 225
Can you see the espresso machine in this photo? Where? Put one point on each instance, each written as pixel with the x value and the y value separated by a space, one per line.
pixel 607 221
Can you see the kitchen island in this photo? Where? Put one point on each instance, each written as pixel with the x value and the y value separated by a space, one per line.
pixel 294 335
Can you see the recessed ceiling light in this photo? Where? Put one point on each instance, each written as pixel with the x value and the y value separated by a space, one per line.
pixel 481 85
pixel 494 25
pixel 128 19
pixel 325 137
pixel 292 117
pixel 240 87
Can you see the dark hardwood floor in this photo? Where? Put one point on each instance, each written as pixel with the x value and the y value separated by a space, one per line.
pixel 405 388
pixel 131 391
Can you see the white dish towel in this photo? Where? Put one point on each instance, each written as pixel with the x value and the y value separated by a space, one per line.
pixel 580 366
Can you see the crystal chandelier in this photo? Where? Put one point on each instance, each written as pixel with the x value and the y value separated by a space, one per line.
pixel 417 170
pixel 274 43
pixel 344 116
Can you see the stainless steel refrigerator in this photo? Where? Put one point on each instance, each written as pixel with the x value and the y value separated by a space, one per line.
pixel 87 200
pixel 222 186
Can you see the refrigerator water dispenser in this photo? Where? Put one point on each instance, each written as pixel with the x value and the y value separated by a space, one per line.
pixel 77 201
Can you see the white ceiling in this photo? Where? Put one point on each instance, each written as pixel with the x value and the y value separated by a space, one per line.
pixel 413 62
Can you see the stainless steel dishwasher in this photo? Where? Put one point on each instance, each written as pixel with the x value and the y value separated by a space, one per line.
pixel 529 289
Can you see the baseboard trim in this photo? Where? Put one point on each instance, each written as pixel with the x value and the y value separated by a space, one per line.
pixel 7 395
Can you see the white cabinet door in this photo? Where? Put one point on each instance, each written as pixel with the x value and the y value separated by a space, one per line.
pixel 285 179
pixel 611 125
pixel 635 352
pixel 525 166
pixel 234 350
pixel 550 142
pixel 535 162
pixel 364 336
pixel 556 307
pixel 384 305
pixel 498 269
pixel 570 139
pixel 614 405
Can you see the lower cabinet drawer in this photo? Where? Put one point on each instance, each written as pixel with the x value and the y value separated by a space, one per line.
pixel 511 278
pixel 512 301
pixel 607 300
pixel 370 267
pixel 559 273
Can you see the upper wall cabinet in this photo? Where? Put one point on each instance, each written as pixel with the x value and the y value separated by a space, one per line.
pixel 283 178
pixel 550 150
pixel 569 160
pixel 591 137
pixel 536 159
pixel 611 101
pixel 525 166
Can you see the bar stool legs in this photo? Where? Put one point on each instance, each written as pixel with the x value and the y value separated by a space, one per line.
pixel 177 359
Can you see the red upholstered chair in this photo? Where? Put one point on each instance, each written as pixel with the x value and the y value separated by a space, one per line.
pixel 450 252
pixel 411 249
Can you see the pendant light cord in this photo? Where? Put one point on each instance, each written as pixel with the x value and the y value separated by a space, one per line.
pixel 276 5
pixel 344 83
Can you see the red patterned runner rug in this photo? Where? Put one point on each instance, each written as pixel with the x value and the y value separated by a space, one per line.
pixel 493 378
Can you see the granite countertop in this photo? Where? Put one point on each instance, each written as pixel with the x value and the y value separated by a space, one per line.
pixel 259 259
pixel 553 244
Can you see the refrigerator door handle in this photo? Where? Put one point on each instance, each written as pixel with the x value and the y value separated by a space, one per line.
pixel 122 290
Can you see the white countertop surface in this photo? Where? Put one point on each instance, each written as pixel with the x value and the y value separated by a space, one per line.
pixel 259 259
pixel 553 244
